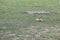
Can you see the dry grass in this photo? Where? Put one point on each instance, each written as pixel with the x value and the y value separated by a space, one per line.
pixel 32 33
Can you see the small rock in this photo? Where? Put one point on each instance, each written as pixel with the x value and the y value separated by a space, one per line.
pixel 39 20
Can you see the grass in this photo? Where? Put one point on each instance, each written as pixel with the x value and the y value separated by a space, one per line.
pixel 16 25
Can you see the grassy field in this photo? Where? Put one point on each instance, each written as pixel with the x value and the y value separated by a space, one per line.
pixel 17 25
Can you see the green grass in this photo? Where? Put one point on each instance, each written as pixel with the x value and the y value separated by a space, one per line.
pixel 17 25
